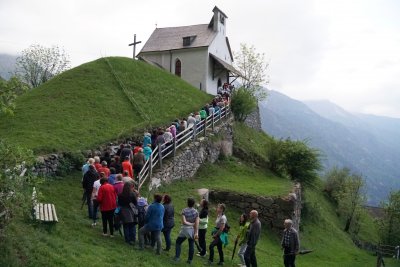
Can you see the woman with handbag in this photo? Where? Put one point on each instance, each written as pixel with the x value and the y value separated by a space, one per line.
pixel 127 201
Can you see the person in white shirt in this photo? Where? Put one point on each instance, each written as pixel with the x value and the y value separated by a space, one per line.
pixel 96 187
pixel 191 120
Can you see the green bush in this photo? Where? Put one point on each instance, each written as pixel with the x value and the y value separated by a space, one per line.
pixel 243 103
pixel 69 162
pixel 15 189
pixel 294 159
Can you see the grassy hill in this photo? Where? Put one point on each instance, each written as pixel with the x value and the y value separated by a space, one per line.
pixel 72 242
pixel 86 106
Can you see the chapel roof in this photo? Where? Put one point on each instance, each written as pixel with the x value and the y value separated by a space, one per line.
pixel 170 38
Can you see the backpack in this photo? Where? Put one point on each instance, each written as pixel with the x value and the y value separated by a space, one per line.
pixel 135 212
pixel 141 215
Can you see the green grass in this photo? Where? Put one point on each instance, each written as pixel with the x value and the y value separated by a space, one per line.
pixel 72 242
pixel 85 107
pixel 239 176
pixel 252 145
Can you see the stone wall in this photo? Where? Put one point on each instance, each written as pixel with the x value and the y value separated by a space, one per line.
pixel 254 120
pixel 47 165
pixel 272 210
pixel 188 160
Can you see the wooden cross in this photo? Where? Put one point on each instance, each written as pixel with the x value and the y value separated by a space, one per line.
pixel 134 46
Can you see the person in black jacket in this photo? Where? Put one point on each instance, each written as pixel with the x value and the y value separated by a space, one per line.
pixel 127 201
pixel 203 224
pixel 87 183
pixel 169 221
pixel 252 239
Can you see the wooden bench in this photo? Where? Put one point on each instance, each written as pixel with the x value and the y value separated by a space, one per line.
pixel 43 212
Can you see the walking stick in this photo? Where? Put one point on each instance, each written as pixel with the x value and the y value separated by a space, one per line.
pixel 83 199
pixel 234 248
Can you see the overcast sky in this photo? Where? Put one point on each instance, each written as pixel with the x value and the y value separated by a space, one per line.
pixel 346 51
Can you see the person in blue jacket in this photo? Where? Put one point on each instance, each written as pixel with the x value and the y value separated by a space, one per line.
pixel 147 151
pixel 154 223
pixel 146 139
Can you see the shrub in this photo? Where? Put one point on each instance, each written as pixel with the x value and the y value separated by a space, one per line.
pixel 243 103
pixel 295 159
pixel 13 191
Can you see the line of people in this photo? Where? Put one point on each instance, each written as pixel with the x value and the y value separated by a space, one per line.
pixel 120 203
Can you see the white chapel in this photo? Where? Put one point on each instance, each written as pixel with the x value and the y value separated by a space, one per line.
pixel 199 54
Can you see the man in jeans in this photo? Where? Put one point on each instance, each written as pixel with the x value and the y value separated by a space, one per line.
pixel 154 223
pixel 290 244
pixel 252 239
pixel 189 230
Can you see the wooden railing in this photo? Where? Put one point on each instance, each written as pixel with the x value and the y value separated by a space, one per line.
pixel 190 134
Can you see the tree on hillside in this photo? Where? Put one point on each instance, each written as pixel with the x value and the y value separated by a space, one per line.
pixel 351 201
pixel 253 67
pixel 9 91
pixel 38 64
pixel 346 190
pixel 243 103
pixel 294 159
pixel 335 181
pixel 389 224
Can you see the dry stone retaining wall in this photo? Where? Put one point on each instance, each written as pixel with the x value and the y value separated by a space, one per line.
pixel 272 210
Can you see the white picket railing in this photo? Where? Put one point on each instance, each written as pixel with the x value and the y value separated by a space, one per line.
pixel 190 134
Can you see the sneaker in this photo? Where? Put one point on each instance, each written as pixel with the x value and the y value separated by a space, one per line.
pixel 176 259
pixel 94 224
pixel 189 262
pixel 112 236
pixel 221 263
pixel 209 262
pixel 199 254
pixel 104 234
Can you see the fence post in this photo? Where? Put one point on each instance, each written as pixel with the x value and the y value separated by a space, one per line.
pixel 160 154
pixel 205 126
pixel 174 147
pixel 194 131
pixel 212 122
pixel 220 113
pixel 150 165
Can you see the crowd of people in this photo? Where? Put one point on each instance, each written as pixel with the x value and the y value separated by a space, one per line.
pixel 110 183
pixel 121 204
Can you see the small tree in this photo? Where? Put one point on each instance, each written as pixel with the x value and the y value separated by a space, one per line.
pixel 389 224
pixel 253 67
pixel 294 159
pixel 335 181
pixel 38 64
pixel 9 91
pixel 346 191
pixel 350 201
pixel 243 103
pixel 13 187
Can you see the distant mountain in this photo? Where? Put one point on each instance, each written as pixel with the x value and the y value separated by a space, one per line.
pixel 364 143
pixel 7 65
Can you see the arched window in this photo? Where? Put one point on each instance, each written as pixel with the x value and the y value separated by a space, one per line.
pixel 178 68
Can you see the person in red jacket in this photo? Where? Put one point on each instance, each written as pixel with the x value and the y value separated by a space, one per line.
pixel 105 169
pixel 97 164
pixel 127 166
pixel 107 199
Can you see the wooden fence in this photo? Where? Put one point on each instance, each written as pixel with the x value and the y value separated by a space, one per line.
pixel 166 150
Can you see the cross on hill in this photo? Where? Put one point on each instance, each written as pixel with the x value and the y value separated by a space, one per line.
pixel 134 45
